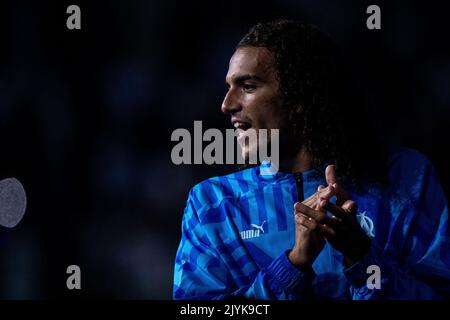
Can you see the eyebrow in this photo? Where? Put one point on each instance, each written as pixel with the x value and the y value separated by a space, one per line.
pixel 244 77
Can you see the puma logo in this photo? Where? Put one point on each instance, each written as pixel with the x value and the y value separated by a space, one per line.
pixel 253 233
pixel 259 227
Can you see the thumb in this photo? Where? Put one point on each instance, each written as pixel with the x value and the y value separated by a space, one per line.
pixel 333 180
pixel 330 175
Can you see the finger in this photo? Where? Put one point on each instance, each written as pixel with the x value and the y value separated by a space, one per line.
pixel 326 193
pixel 333 180
pixel 320 217
pixel 350 206
pixel 299 218
pixel 304 221
pixel 326 231
pixel 339 212
pixel 304 209
pixel 322 192
pixel 336 218
pixel 323 205
pixel 296 207
pixel 308 223
pixel 330 175
pixel 310 202
pixel 304 216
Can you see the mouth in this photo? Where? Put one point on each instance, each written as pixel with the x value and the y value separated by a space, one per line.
pixel 241 125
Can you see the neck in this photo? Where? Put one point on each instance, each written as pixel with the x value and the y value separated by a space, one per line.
pixel 300 162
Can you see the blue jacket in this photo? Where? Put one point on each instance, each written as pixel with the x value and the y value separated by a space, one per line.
pixel 237 231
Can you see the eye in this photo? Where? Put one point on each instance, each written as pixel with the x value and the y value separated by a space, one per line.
pixel 248 87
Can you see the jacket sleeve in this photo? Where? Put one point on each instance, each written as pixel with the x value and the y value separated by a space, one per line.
pixel 201 273
pixel 421 269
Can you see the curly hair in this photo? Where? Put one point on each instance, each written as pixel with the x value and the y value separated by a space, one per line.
pixel 325 113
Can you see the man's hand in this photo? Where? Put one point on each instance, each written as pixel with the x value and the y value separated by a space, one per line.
pixel 308 240
pixel 342 230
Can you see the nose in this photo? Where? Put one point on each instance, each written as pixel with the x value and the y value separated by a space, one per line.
pixel 230 104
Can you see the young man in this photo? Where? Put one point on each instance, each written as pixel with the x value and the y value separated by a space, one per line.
pixel 252 234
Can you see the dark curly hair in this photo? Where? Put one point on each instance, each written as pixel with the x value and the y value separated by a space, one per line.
pixel 324 110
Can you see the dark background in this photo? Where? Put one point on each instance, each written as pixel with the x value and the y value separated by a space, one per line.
pixel 86 118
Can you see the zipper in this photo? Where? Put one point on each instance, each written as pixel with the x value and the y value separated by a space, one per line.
pixel 299 184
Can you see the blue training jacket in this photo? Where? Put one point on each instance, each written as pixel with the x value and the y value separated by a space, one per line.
pixel 237 231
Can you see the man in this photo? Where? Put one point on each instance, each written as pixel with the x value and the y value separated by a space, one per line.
pixel 252 234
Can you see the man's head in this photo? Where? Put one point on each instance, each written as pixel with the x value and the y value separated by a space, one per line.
pixel 253 98
pixel 287 75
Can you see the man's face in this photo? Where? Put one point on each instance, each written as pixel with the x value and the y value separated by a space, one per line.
pixel 252 99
